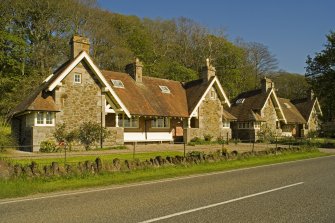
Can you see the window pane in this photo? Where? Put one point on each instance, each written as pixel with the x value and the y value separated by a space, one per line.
pixel 48 118
pixel 39 117
pixel 126 122
pixel 134 122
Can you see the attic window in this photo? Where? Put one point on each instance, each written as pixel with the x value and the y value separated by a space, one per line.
pixel 117 83
pixel 77 78
pixel 240 101
pixel 165 89
pixel 287 105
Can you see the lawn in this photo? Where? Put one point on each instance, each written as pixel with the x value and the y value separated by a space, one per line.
pixel 24 187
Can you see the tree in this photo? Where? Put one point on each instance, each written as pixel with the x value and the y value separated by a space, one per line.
pixel 260 59
pixel 320 74
pixel 90 133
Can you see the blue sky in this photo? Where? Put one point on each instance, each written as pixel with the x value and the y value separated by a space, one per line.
pixel 292 29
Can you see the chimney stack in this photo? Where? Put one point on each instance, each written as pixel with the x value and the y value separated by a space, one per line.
pixel 266 84
pixel 135 70
pixel 207 71
pixel 79 44
pixel 310 94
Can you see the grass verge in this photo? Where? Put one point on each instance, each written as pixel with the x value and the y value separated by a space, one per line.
pixel 29 186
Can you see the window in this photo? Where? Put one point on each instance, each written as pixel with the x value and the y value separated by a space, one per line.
pixel 44 119
pixel 77 78
pixel 48 118
pixel 213 94
pixel 240 101
pixel 160 123
pixel 165 89
pixel 117 83
pixel 126 122
pixel 257 125
pixel 226 124
pixel 244 125
pixel 40 118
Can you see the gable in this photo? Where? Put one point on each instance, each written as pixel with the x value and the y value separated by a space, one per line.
pixel 272 101
pixel 197 91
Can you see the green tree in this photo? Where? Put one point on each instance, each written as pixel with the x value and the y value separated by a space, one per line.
pixel 320 73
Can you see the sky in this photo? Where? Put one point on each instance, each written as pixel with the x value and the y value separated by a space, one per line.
pixel 291 29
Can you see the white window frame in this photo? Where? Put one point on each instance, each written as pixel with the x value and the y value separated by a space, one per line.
pixel 165 121
pixel 75 79
pixel 257 125
pixel 133 121
pixel 117 83
pixel 226 124
pixel 164 89
pixel 244 125
pixel 44 120
pixel 212 94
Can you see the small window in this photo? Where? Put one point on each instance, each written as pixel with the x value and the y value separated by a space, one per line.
pixel 117 83
pixel 160 123
pixel 165 89
pixel 244 125
pixel 226 124
pixel 40 118
pixel 213 94
pixel 257 125
pixel 48 118
pixel 240 101
pixel 77 78
pixel 126 122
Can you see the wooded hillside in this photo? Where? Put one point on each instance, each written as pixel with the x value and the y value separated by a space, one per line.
pixel 34 38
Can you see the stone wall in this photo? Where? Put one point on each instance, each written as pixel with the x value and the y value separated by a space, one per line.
pixel 210 120
pixel 80 102
pixel 269 115
pixel 115 137
pixel 41 133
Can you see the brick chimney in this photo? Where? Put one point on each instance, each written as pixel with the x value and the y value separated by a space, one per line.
pixel 135 70
pixel 79 44
pixel 310 94
pixel 207 71
pixel 266 84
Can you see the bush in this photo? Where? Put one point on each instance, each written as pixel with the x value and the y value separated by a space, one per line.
pixel 90 133
pixel 208 137
pixel 6 140
pixel 48 147
pixel 64 137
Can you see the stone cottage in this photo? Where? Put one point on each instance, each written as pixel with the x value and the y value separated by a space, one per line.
pixel 257 110
pixel 310 109
pixel 133 107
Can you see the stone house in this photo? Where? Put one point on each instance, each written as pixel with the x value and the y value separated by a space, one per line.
pixel 257 110
pixel 310 109
pixel 133 107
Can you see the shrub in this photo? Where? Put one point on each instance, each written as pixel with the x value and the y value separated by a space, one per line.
pixel 48 147
pixel 62 136
pixel 208 137
pixel 221 140
pixel 90 133
pixel 6 140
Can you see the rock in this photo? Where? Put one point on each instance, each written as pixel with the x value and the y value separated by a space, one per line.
pixel 17 170
pixel 117 163
pixel 98 164
pixel 54 168
pixel 4 170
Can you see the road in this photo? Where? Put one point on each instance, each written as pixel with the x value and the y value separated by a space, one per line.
pixel 301 191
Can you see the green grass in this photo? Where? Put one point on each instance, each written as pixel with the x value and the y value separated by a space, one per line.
pixel 23 187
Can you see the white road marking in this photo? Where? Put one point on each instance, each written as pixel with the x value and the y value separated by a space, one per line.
pixel 148 182
pixel 218 204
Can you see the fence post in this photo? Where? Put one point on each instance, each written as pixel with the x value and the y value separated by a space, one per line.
pixel 184 149
pixel 134 150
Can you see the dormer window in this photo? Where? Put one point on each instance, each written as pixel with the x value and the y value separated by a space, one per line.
pixel 165 89
pixel 77 78
pixel 117 83
pixel 240 101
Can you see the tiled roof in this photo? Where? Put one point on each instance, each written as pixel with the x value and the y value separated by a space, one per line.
pixel 305 106
pixel 146 98
pixel 194 91
pixel 291 113
pixel 245 106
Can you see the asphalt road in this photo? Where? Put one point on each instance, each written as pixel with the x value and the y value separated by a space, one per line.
pixel 302 191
